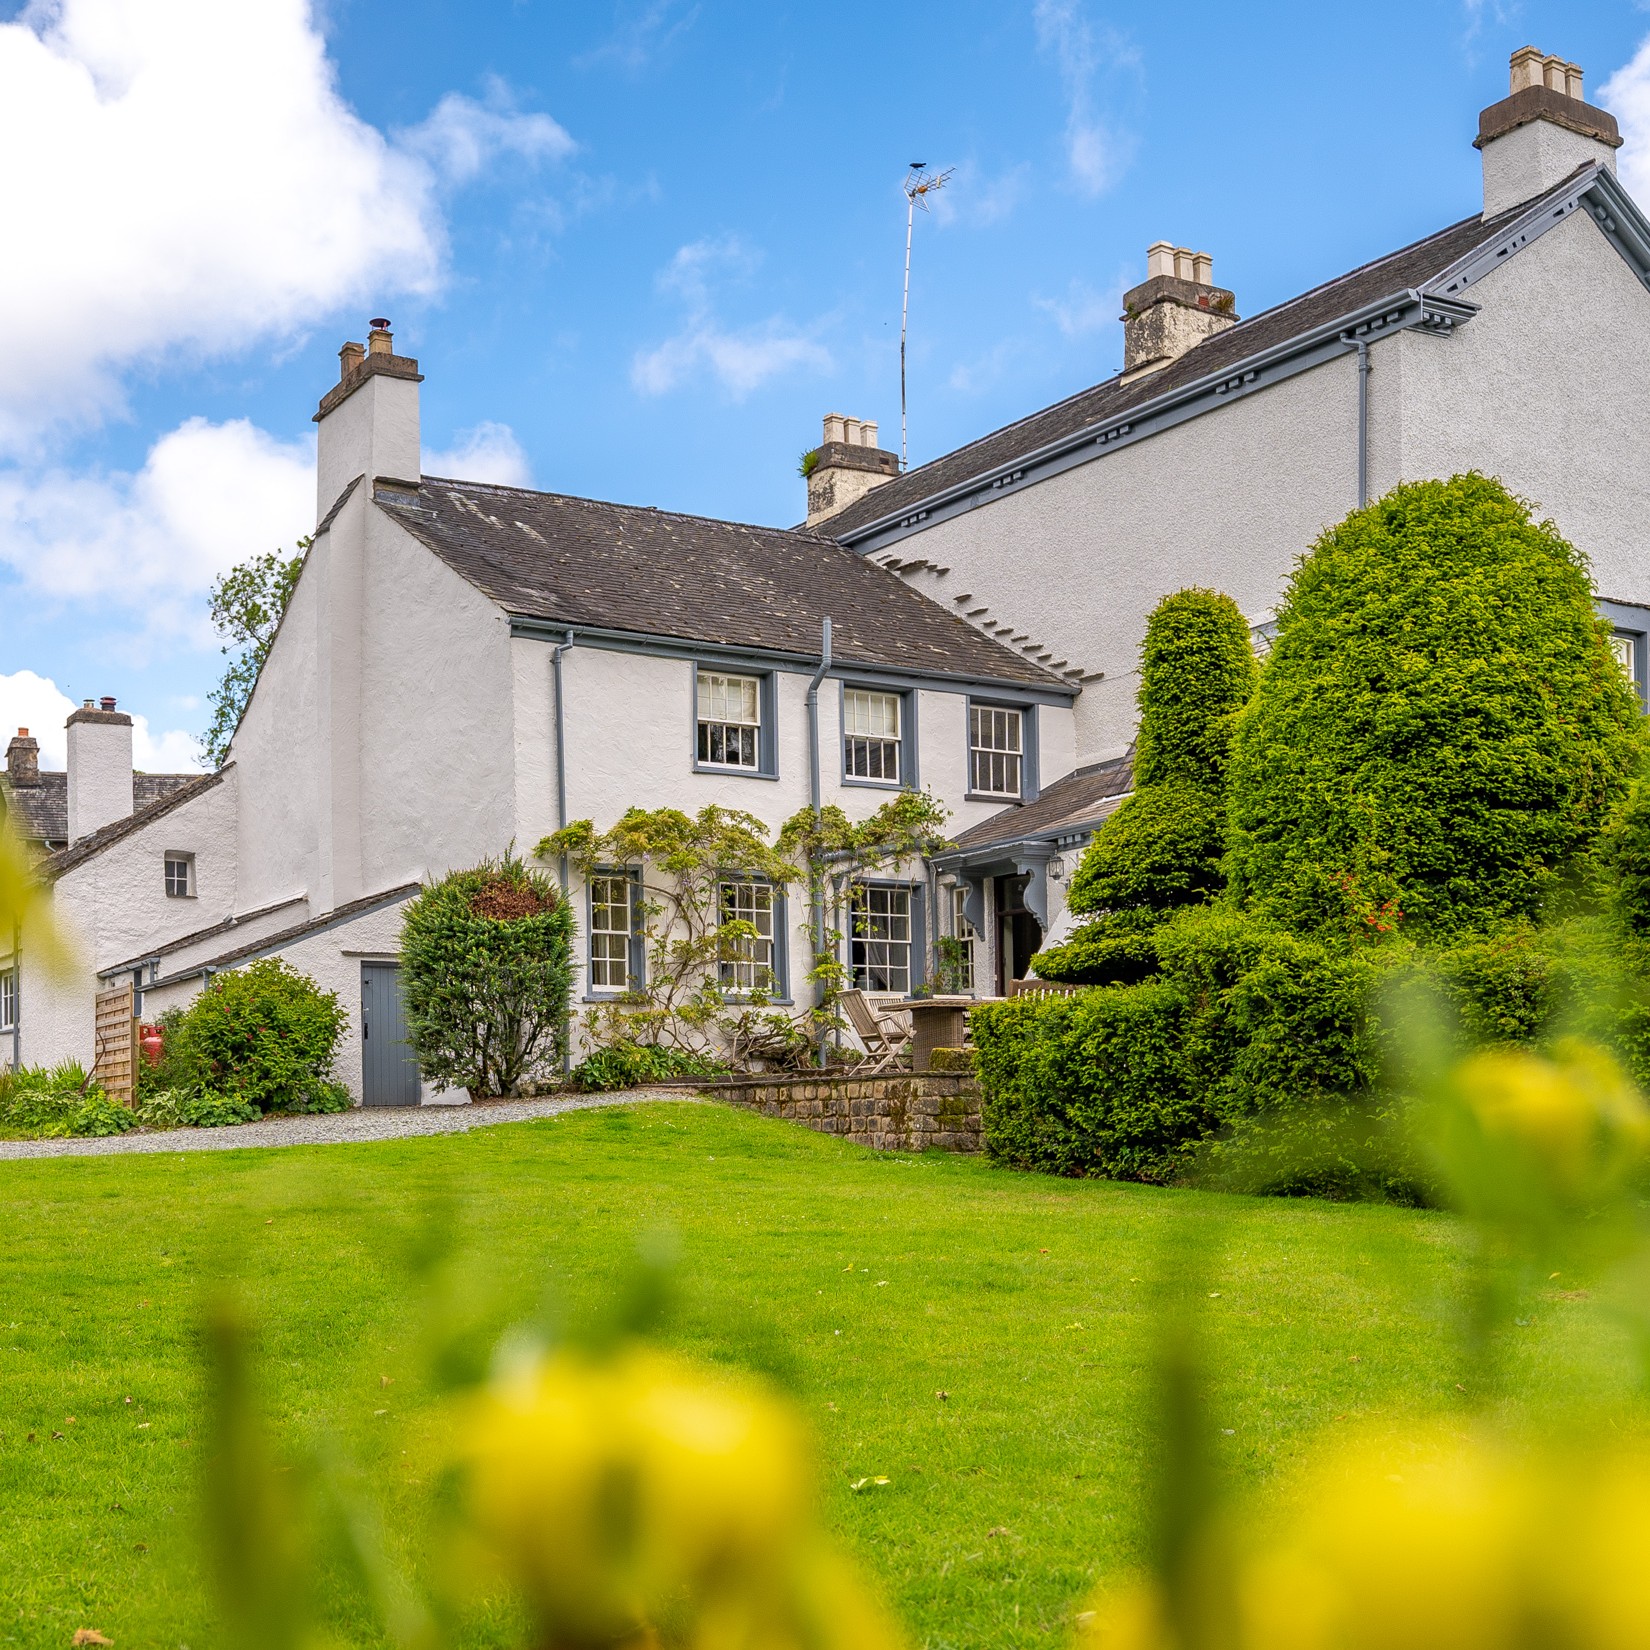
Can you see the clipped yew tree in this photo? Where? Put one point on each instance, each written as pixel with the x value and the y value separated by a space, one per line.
pixel 1161 851
pixel 487 971
pixel 1441 731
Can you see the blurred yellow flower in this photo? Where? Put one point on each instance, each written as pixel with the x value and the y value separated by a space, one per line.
pixel 1447 1543
pixel 636 1499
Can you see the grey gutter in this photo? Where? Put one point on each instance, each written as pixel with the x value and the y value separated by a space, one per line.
pixel 1402 310
pixel 1051 687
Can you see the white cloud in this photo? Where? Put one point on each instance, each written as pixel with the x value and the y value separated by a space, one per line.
pixel 976 201
pixel 1626 94
pixel 460 136
pixel 742 359
pixel 641 34
pixel 1097 150
pixel 1082 310
pixel 192 182
pixel 208 496
pixel 38 704
pixel 489 452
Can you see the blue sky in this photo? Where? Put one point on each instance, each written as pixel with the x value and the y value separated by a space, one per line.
pixel 639 248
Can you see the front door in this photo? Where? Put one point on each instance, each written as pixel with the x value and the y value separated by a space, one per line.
pixel 389 1074
pixel 1019 934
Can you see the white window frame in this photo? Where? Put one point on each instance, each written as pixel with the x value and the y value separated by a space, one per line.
pixel 611 947
pixel 177 857
pixel 996 767
pixel 963 931
pixel 715 720
pixel 877 949
pixel 754 968
pixel 8 997
pixel 872 754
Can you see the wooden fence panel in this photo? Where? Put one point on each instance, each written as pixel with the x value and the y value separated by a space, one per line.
pixel 117 1052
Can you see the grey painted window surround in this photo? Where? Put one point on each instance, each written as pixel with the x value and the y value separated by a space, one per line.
pixel 1631 623
pixel 908 764
pixel 871 952
pixel 1029 788
pixel 767 753
pixel 636 949
pixel 780 965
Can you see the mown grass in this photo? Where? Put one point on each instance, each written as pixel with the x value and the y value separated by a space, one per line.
pixel 865 1284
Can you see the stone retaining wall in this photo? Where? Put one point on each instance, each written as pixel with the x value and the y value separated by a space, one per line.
pixel 901 1111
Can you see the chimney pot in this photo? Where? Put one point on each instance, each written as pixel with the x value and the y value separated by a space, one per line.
pixel 835 428
pixel 22 733
pixel 1160 259
pixel 85 704
pixel 107 702
pixel 868 432
pixel 349 358
pixel 379 340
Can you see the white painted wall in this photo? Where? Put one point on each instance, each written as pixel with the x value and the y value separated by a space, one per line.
pixel 100 771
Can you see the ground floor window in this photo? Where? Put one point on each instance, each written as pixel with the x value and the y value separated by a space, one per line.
pixel 612 926
pixel 961 961
pixel 749 961
pixel 879 945
pixel 8 1000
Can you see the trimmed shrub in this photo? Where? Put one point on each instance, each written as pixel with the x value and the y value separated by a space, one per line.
pixel 1162 849
pixel 634 1065
pixel 1624 861
pixel 487 968
pixel 265 1036
pixel 1441 730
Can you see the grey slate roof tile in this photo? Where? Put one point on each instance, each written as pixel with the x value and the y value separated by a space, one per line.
pixel 578 561
pixel 41 811
pixel 1411 266
pixel 1080 800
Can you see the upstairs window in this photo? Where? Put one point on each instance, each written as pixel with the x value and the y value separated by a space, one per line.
pixel 996 750
pixel 749 961
pixel 612 931
pixel 730 721
pixel 879 947
pixel 180 876
pixel 873 728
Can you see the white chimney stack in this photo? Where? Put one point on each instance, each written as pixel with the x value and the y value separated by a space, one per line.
pixel 100 768
pixel 1535 137
pixel 369 419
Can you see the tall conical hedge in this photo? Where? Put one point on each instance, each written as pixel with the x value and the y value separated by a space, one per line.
pixel 1162 850
pixel 1441 730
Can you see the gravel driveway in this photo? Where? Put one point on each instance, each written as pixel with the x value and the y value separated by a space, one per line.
pixel 338 1128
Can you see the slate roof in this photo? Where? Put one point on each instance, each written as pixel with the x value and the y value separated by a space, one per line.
pixel 42 811
pixel 1078 802
pixel 580 562
pixel 193 785
pixel 1411 266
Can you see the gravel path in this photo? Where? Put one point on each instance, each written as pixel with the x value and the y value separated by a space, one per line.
pixel 339 1128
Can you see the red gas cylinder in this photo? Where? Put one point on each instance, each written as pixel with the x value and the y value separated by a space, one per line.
pixel 150 1043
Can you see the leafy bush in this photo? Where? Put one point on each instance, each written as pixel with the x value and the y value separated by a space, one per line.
pixel 194 1109
pixel 59 1102
pixel 1162 849
pixel 1441 730
pixel 634 1065
pixel 487 968
pixel 264 1035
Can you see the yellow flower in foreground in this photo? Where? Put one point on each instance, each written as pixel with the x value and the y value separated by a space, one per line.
pixel 1452 1543
pixel 635 1494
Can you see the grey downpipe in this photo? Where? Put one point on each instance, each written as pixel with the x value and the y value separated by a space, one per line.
pixel 1363 422
pixel 556 653
pixel 17 996
pixel 818 892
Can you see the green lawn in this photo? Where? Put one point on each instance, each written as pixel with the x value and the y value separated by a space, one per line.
pixel 865 1283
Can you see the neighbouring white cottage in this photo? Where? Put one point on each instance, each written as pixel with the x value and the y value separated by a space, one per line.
pixel 1512 342
pixel 464 667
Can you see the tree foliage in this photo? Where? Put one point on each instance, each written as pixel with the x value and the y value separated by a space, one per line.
pixel 1441 731
pixel 1162 850
pixel 247 604
pixel 487 970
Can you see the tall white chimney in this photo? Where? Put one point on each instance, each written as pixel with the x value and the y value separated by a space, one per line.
pixel 100 767
pixel 1534 138
pixel 368 419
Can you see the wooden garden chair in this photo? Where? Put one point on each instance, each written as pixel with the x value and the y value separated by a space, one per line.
pixel 885 1036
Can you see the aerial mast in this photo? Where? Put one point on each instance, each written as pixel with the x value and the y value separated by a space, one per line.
pixel 919 184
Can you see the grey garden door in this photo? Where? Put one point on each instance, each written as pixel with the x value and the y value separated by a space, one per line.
pixel 389 1075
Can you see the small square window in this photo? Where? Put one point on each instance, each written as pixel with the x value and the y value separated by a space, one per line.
pixel 872 725
pixel 996 748
pixel 180 876
pixel 729 721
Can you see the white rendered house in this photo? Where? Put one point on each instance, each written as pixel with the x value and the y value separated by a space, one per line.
pixel 1512 342
pixel 464 667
